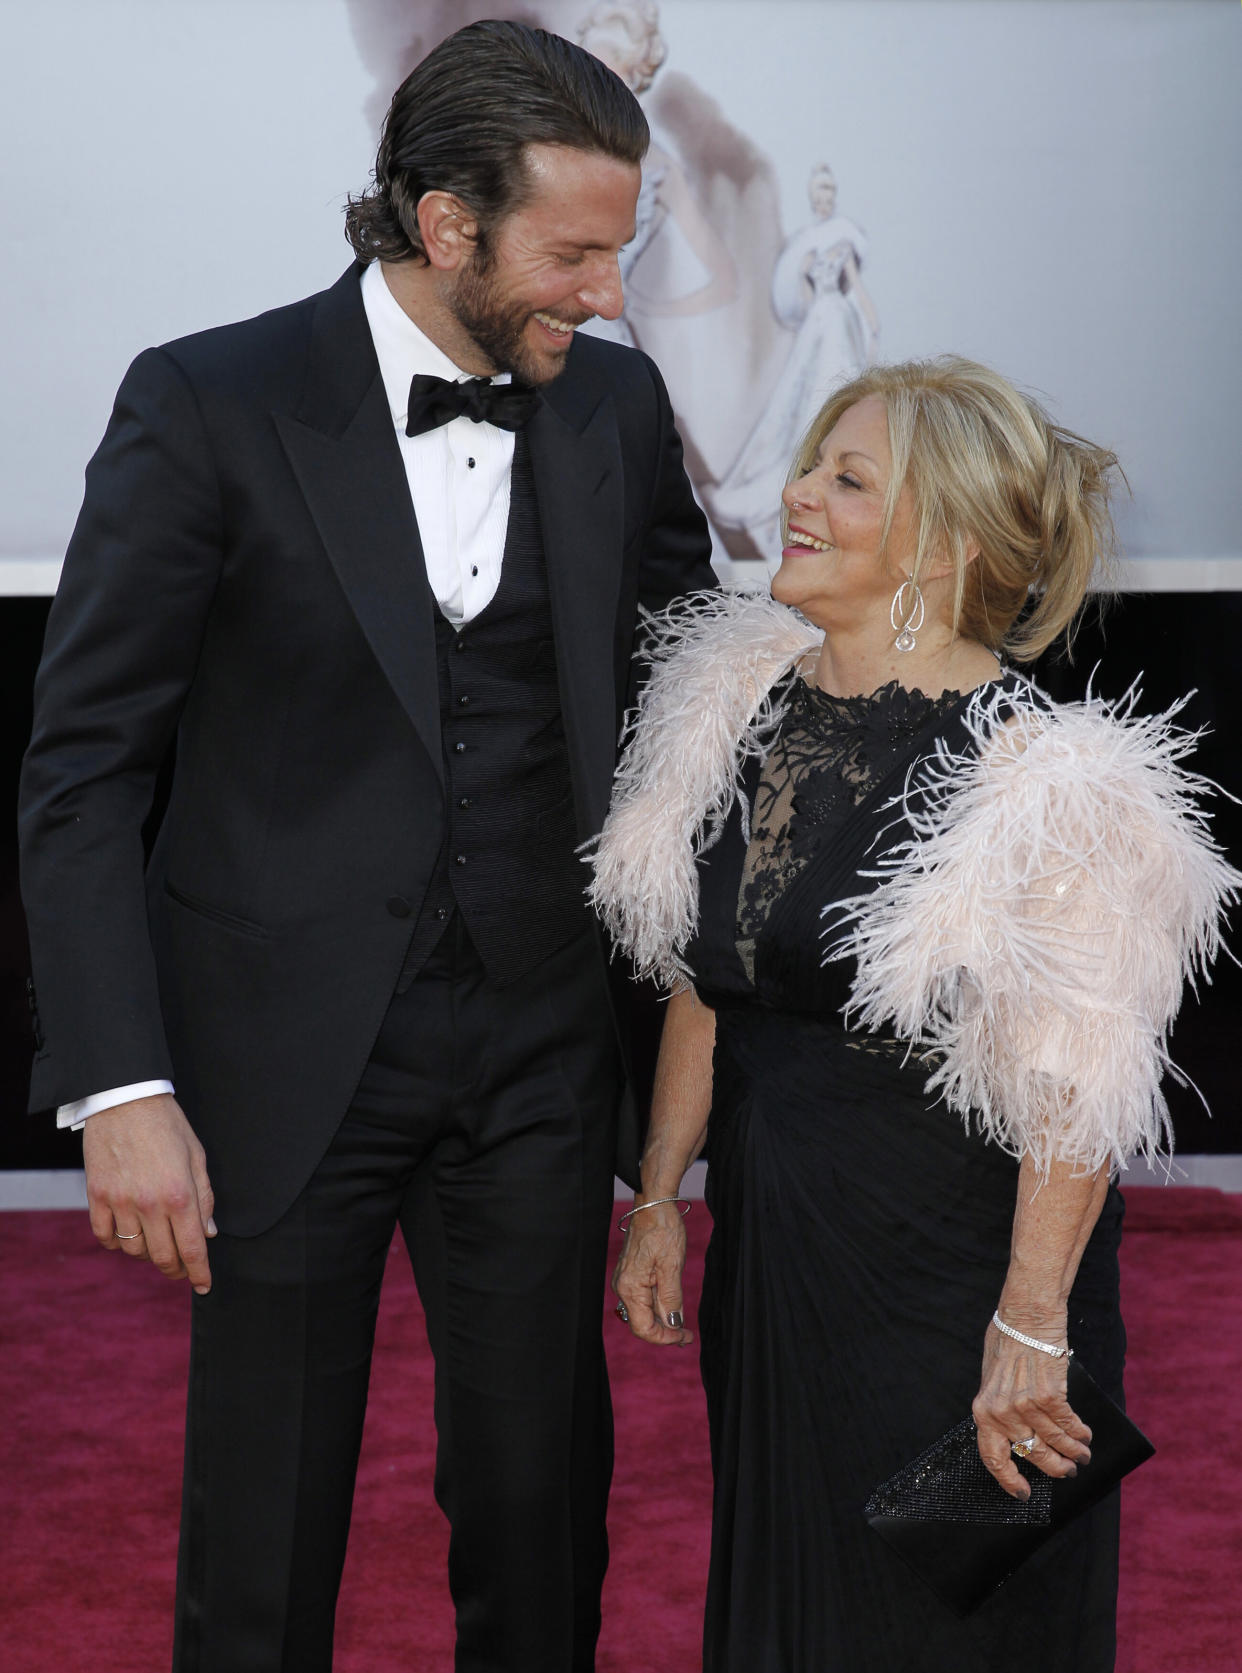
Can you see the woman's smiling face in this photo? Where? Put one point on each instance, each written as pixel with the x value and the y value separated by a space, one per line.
pixel 832 567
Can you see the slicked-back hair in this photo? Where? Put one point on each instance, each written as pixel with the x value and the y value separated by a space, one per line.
pixel 461 121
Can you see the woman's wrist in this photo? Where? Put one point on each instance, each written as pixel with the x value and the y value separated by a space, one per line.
pixel 670 1187
pixel 1054 1345
pixel 1043 1318
pixel 660 1176
pixel 1034 1294
pixel 656 1211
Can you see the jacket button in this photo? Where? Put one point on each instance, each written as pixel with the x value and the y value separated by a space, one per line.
pixel 465 801
pixel 459 749
pixel 461 859
pixel 463 702
pixel 399 906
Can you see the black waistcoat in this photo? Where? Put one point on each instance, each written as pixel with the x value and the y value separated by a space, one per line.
pixel 508 862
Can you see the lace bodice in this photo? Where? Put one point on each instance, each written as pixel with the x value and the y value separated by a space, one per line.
pixel 829 754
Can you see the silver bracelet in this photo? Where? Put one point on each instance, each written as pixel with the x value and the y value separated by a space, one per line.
pixel 625 1219
pixel 1030 1341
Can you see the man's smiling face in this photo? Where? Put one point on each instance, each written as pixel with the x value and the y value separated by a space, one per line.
pixel 551 264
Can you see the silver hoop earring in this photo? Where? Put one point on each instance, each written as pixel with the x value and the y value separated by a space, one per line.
pixel 903 625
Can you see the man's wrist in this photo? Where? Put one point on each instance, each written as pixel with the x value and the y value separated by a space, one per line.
pixel 76 1113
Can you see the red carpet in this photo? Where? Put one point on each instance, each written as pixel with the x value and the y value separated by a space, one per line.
pixel 92 1361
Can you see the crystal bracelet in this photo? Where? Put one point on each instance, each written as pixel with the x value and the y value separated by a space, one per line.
pixel 655 1202
pixel 1030 1341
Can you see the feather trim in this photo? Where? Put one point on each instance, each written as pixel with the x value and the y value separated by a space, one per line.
pixel 705 709
pixel 1035 931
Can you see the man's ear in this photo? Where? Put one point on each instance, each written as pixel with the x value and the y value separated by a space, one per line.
pixel 448 229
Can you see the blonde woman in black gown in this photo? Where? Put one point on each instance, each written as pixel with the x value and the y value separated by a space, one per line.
pixel 925 934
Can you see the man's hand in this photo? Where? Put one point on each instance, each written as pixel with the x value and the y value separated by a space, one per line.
pixel 147 1186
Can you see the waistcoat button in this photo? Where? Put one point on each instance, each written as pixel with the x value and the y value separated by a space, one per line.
pixel 459 749
pixel 463 702
pixel 461 859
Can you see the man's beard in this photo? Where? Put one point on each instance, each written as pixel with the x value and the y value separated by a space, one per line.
pixel 497 327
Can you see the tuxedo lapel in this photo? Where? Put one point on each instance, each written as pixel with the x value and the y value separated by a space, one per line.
pixel 345 455
pixel 576 457
pixel 347 460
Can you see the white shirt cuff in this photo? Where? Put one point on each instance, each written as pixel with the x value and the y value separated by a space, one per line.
pixel 75 1114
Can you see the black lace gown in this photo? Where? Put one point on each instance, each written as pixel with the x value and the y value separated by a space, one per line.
pixel 860 1242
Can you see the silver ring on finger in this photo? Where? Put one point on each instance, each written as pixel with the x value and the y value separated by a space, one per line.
pixel 622 1312
pixel 675 1321
pixel 1023 1448
pixel 127 1237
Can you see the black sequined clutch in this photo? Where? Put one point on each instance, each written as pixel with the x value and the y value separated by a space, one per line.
pixel 963 1534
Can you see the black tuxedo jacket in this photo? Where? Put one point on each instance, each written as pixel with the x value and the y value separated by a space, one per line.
pixel 246 579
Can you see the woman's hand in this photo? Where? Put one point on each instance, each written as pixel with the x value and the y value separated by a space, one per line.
pixel 1022 1393
pixel 647 1279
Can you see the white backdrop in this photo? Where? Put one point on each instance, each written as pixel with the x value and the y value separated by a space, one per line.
pixel 1048 185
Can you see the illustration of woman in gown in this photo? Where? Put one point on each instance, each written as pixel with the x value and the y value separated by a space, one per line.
pixel 627 38
pixel 817 293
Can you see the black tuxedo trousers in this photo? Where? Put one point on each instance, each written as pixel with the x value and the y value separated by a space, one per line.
pixel 481 1128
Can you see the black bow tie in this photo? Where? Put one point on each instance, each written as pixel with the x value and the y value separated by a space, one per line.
pixel 436 401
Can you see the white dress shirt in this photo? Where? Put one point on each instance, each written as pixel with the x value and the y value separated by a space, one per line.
pixel 458 476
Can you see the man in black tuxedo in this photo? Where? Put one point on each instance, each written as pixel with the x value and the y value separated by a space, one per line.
pixel 385 608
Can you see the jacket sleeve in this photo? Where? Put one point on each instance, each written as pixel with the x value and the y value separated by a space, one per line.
pixel 122 646
pixel 677 547
pixel 1035 932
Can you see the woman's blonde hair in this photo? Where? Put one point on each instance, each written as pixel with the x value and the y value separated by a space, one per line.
pixel 987 467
